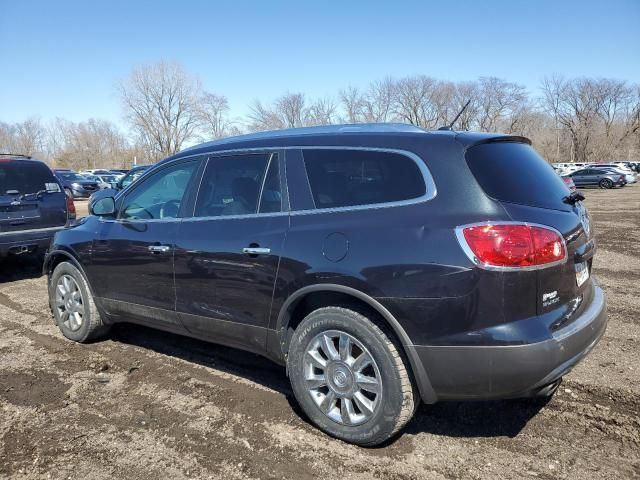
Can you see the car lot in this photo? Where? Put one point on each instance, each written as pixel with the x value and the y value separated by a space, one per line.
pixel 146 404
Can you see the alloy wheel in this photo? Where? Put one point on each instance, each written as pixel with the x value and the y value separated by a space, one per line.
pixel 342 377
pixel 69 303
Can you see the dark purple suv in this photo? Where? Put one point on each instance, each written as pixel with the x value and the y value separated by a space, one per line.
pixel 384 265
pixel 33 206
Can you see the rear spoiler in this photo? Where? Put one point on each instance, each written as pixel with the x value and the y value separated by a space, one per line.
pixel 470 139
pixel 502 139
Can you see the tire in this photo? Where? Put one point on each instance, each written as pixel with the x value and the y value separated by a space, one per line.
pixel 349 419
pixel 88 324
pixel 606 183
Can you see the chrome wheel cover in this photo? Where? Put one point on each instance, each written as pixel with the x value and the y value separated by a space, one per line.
pixel 342 377
pixel 69 304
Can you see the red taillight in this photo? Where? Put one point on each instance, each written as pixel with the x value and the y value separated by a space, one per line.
pixel 513 245
pixel 71 208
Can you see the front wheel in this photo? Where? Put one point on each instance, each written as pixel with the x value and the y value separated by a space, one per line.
pixel 349 377
pixel 72 305
pixel 606 183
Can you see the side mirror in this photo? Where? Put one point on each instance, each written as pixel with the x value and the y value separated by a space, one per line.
pixel 103 207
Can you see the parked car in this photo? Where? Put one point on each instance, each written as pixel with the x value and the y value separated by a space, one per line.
pixel 382 264
pixel 75 184
pixel 33 206
pixel 103 180
pixel 119 171
pixel 95 171
pixel 597 177
pixel 629 176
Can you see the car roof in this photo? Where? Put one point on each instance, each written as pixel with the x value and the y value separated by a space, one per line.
pixel 340 135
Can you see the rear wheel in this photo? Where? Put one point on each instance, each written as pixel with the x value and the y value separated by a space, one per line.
pixel 72 305
pixel 606 183
pixel 349 377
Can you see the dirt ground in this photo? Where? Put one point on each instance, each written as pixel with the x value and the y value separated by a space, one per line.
pixel 145 405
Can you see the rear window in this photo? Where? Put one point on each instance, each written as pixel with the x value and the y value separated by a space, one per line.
pixel 516 173
pixel 25 177
pixel 344 178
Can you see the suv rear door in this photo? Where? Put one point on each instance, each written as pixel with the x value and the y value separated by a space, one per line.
pixel 30 196
pixel 513 174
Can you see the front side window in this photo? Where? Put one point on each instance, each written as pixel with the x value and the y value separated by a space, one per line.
pixel 232 185
pixel 344 178
pixel 160 196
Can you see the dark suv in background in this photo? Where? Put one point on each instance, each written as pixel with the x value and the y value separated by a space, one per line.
pixel 75 184
pixel 382 264
pixel 33 205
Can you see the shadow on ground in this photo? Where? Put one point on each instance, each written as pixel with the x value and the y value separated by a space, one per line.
pixel 23 267
pixel 451 419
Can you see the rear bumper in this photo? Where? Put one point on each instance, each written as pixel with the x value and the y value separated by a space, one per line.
pixel 509 371
pixel 27 241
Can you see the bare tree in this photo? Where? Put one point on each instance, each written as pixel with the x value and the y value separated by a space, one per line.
pixel 323 111
pixel 377 104
pixel 214 116
pixel 160 102
pixel 352 104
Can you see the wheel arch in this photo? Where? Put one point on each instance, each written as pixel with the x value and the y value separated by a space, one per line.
pixel 311 297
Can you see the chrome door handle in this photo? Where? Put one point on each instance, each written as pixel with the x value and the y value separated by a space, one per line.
pixel 159 248
pixel 256 251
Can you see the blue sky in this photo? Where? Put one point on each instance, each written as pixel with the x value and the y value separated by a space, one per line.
pixel 63 58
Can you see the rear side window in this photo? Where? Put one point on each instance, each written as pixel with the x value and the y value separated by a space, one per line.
pixel 345 178
pixel 25 177
pixel 515 173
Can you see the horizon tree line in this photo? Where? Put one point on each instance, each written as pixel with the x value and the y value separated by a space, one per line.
pixel 568 120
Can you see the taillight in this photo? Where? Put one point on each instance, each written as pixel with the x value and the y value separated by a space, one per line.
pixel 71 208
pixel 512 245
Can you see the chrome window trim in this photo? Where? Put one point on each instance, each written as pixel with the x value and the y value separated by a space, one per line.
pixel 469 253
pixel 430 186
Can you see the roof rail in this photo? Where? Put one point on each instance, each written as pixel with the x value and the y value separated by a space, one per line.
pixel 318 130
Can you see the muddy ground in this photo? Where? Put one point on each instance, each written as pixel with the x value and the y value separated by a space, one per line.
pixel 145 405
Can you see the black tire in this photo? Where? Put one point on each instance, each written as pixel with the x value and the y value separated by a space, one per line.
pixel 91 326
pixel 395 404
pixel 606 183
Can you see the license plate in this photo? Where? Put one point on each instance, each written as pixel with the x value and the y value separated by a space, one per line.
pixel 582 273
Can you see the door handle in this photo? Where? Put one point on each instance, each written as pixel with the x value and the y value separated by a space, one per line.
pixel 256 251
pixel 159 248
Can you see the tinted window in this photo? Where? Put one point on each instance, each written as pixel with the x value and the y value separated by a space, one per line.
pixel 514 172
pixel 231 186
pixel 25 177
pixel 343 178
pixel 159 196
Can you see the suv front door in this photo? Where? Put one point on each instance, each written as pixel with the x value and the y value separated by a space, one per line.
pixel 133 253
pixel 227 254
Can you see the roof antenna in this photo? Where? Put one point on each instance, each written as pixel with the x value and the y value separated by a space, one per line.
pixel 450 126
